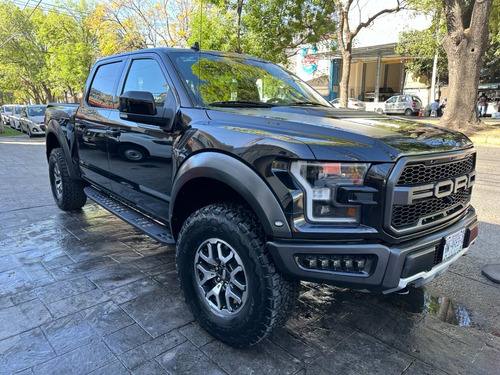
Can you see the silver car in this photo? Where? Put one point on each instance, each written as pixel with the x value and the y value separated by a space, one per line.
pixel 405 104
pixel 351 104
pixel 5 111
pixel 15 117
pixel 32 120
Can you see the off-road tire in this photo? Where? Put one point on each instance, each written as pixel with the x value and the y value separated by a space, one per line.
pixel 270 297
pixel 67 192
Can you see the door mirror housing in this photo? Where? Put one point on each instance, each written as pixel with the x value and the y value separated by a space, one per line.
pixel 139 106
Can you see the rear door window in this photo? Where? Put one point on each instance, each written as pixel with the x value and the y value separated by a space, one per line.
pixel 102 87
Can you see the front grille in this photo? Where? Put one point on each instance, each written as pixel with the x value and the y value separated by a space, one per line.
pixel 409 215
pixel 429 211
pixel 421 173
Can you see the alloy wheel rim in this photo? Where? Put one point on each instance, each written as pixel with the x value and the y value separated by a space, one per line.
pixel 58 181
pixel 221 277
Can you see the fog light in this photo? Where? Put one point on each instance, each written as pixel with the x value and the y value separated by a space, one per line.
pixel 324 262
pixel 310 261
pixel 336 263
pixel 347 264
pixel 357 264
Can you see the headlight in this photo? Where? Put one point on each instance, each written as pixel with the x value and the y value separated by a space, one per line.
pixel 321 182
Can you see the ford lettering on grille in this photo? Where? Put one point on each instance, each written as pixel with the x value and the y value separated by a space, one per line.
pixel 405 195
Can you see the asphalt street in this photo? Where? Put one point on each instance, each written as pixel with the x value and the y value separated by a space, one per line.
pixel 85 293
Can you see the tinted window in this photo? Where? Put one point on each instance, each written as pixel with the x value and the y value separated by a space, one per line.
pixel 101 90
pixel 146 75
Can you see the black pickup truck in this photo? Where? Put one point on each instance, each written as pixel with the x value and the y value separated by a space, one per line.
pixel 260 182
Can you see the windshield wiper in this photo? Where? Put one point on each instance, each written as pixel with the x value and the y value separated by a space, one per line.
pixel 240 103
pixel 307 103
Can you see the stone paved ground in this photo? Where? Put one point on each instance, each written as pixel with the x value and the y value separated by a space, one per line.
pixel 85 293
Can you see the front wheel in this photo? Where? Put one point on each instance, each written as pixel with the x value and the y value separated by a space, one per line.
pixel 228 278
pixel 68 193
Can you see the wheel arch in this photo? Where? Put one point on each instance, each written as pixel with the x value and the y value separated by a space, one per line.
pixel 211 177
pixel 54 138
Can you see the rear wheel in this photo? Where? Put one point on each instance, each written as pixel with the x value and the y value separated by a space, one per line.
pixel 228 278
pixel 408 112
pixel 68 193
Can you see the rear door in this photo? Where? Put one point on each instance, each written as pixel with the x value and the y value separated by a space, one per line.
pixel 140 155
pixel 91 122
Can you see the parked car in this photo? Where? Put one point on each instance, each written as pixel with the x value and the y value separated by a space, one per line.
pixel 404 104
pixel 6 111
pixel 352 104
pixel 15 117
pixel 32 120
pixel 383 94
pixel 492 106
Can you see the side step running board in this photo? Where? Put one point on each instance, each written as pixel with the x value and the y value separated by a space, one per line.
pixel 152 228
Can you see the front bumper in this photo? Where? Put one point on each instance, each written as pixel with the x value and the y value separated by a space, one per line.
pixel 413 262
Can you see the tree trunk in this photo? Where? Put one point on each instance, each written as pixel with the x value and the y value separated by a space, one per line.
pixel 465 47
pixel 344 82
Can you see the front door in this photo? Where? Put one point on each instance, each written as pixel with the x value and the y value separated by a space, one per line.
pixel 140 155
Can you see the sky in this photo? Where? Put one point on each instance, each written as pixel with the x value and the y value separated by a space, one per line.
pixel 386 28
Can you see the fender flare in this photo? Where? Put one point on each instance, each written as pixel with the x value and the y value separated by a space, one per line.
pixel 55 128
pixel 242 179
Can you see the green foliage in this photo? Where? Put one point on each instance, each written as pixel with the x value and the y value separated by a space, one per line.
pixel 420 48
pixel 421 45
pixel 46 55
pixel 270 29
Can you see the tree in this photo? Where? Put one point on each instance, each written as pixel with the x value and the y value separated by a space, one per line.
pixel 45 55
pixel 346 35
pixel 420 46
pixel 465 44
pixel 126 25
pixel 466 40
pixel 237 26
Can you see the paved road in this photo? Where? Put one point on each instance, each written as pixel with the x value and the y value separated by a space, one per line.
pixel 86 293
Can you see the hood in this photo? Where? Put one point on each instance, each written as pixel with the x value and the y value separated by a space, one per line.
pixel 339 134
pixel 36 119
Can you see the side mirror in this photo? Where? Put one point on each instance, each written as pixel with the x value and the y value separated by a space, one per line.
pixel 139 106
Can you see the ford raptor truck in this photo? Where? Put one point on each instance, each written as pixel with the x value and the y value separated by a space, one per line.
pixel 260 183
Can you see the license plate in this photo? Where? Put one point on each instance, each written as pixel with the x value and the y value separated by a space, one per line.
pixel 453 244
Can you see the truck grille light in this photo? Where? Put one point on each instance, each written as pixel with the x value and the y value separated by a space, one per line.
pixel 357 264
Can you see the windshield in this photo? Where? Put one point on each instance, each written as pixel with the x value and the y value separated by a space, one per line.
pixel 216 80
pixel 36 111
pixel 8 109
